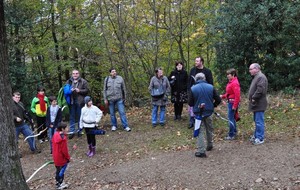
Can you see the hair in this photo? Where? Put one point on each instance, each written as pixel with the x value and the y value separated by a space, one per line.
pixel 40 88
pixel 201 58
pixel 16 93
pixel 51 98
pixel 157 69
pixel 111 69
pixel 232 71
pixel 61 126
pixel 179 62
pixel 256 65
pixel 75 70
pixel 200 76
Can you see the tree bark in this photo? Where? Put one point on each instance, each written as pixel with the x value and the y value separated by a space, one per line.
pixel 10 166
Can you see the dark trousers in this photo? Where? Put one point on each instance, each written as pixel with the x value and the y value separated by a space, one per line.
pixel 41 124
pixel 91 138
pixel 178 108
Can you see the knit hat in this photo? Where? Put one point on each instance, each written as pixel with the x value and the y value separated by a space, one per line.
pixel 87 99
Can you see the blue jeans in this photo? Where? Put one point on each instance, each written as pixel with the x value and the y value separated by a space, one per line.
pixel 259 119
pixel 161 115
pixel 51 132
pixel 26 131
pixel 75 112
pixel 232 124
pixel 121 110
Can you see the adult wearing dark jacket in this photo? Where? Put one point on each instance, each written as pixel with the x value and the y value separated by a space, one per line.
pixel 178 81
pixel 21 118
pixel 258 102
pixel 79 88
pixel 199 68
pixel 203 98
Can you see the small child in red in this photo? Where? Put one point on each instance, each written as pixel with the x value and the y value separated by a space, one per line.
pixel 60 154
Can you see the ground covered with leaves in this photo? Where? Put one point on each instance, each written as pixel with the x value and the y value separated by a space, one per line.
pixel 163 157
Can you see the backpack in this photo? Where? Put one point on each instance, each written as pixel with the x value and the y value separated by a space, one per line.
pixel 64 98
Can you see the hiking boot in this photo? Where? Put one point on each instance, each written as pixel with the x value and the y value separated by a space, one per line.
pixel 228 138
pixel 162 124
pixel 179 117
pixel 113 128
pixel 127 129
pixel 154 124
pixel 257 141
pixel 201 155
pixel 209 148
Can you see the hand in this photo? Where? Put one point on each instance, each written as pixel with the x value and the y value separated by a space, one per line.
pixel 77 90
pixel 51 126
pixel 18 119
pixel 252 100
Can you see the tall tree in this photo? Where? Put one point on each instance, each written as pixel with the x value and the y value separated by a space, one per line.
pixel 10 166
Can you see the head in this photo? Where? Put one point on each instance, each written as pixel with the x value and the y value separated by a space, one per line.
pixel 88 101
pixel 53 100
pixel 17 96
pixel 63 126
pixel 200 76
pixel 179 65
pixel 254 69
pixel 75 74
pixel 199 62
pixel 159 72
pixel 40 90
pixel 231 73
pixel 113 72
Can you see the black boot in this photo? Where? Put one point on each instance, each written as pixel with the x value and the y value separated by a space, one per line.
pixel 179 117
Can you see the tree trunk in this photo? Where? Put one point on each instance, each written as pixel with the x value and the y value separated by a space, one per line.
pixel 10 166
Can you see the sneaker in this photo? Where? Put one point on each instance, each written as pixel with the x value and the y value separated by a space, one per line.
pixel 201 155
pixel 113 128
pixel 257 142
pixel 162 124
pixel 154 124
pixel 62 186
pixel 252 138
pixel 228 138
pixel 45 140
pixel 41 141
pixel 127 129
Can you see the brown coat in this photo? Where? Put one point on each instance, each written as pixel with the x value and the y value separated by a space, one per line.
pixel 258 93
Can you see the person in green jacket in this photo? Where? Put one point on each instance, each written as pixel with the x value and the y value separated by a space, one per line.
pixel 39 107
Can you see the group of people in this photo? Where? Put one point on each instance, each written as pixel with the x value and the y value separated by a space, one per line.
pixel 198 91
pixel 82 112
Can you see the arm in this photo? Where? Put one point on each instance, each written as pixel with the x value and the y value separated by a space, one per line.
pixel 33 104
pixel 237 96
pixel 123 89
pixel 81 118
pixel 84 88
pixel 104 89
pixel 260 89
pixel 216 97
pixel 98 114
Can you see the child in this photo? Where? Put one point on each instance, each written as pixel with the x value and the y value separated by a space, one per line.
pixel 39 106
pixel 60 154
pixel 53 118
pixel 90 116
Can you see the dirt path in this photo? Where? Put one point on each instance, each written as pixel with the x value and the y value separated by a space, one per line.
pixel 231 165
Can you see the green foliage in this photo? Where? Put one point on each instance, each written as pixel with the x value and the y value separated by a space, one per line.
pixel 266 32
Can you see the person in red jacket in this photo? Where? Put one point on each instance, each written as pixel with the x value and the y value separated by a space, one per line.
pixel 60 153
pixel 233 96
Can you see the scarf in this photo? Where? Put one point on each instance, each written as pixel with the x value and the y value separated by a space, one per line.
pixel 42 102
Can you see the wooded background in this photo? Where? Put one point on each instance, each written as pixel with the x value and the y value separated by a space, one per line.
pixel 47 39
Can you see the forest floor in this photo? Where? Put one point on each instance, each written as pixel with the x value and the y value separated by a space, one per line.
pixel 163 158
